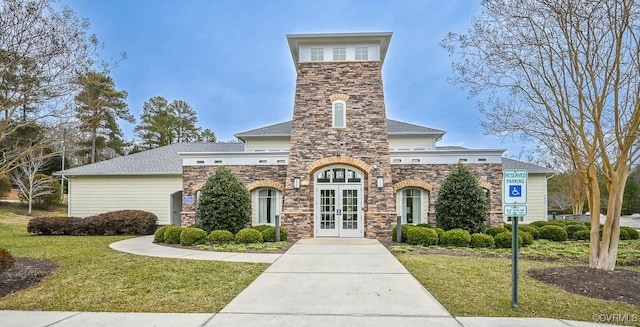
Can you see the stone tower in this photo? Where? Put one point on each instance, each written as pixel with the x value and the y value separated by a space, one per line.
pixel 339 174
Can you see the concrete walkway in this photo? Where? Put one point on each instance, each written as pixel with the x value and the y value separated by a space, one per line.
pixel 144 246
pixel 317 282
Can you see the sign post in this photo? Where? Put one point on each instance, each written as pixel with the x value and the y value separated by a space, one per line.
pixel 514 197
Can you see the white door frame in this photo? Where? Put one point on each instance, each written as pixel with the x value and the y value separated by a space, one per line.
pixel 338 204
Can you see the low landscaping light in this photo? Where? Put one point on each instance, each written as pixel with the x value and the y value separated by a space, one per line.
pixel 380 182
pixel 296 183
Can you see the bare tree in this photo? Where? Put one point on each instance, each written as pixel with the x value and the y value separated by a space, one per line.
pixel 43 49
pixel 25 177
pixel 567 74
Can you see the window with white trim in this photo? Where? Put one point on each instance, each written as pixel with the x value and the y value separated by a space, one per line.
pixel 339 113
pixel 362 53
pixel 317 54
pixel 413 205
pixel 339 54
pixel 267 206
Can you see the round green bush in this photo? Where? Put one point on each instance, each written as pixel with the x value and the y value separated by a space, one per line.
pixel 260 228
pixel 582 235
pixel 503 240
pixel 508 226
pixel 561 223
pixel 220 236
pixel 572 229
pixel 456 237
pixel 172 234
pixel 631 233
pixel 479 240
pixel 158 236
pixel 533 230
pixel 192 236
pixel 422 236
pixel 440 232
pixel 269 234
pixel 539 223
pixel 248 235
pixel 525 238
pixel 424 225
pixel 624 234
pixel 6 260
pixel 493 231
pixel 553 233
pixel 405 228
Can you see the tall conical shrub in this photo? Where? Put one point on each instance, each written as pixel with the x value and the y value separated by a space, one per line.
pixel 223 203
pixel 461 202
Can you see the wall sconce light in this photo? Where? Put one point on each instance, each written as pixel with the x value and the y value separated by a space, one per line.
pixel 380 182
pixel 338 152
pixel 296 183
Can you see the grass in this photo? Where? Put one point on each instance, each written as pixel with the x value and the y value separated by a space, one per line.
pixel 266 247
pixel 93 277
pixel 16 213
pixel 569 252
pixel 480 286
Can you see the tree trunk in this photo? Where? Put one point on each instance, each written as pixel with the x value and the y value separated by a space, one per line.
pixel 94 135
pixel 608 251
pixel 593 196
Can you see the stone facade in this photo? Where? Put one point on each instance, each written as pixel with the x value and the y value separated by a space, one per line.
pixel 364 139
pixel 194 177
pixel 489 176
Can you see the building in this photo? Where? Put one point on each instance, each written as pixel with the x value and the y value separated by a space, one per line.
pixel 339 168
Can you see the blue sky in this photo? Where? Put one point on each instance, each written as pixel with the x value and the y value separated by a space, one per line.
pixel 230 60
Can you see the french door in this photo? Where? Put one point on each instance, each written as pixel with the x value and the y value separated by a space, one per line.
pixel 338 211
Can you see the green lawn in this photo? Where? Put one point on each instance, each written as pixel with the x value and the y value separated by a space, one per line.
pixel 479 286
pixel 93 277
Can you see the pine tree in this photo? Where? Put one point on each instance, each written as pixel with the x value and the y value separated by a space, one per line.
pixel 461 202
pixel 186 120
pixel 223 203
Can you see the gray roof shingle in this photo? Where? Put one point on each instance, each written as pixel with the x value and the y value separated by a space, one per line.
pixel 508 163
pixel 159 161
pixel 393 127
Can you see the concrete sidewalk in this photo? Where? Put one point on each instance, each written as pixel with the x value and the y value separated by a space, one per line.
pixel 144 246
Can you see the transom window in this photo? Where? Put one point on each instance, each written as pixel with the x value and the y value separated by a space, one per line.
pixel 362 53
pixel 267 206
pixel 317 54
pixel 339 54
pixel 338 175
pixel 339 113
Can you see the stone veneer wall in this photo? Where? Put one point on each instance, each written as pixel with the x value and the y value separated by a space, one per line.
pixel 364 138
pixel 195 176
pixel 435 175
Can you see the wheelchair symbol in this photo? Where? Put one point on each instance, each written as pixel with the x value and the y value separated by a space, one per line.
pixel 515 191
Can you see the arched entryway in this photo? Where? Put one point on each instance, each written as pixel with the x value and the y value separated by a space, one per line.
pixel 338 199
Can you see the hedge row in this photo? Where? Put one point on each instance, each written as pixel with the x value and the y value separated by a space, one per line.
pixel 553 230
pixel 190 236
pixel 123 222
pixel 427 235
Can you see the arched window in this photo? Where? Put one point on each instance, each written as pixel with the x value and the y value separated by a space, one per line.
pixel 339 113
pixel 266 204
pixel 413 205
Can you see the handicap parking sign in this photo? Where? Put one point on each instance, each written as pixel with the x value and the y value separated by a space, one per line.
pixel 515 191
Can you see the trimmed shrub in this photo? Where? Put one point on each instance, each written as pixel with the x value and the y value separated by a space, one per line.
pixel 5 186
pixel 172 234
pixel 493 231
pixel 220 236
pixel 479 240
pixel 224 203
pixel 624 234
pixel 461 202
pixel 508 226
pixel 582 235
pixel 539 223
pixel 6 260
pixel 260 228
pixel 424 225
pixel 533 230
pixel 561 223
pixel 553 233
pixel 248 235
pixel 422 236
pixel 192 236
pixel 158 236
pixel 503 240
pixel 631 233
pixel 122 222
pixel 269 234
pixel 440 232
pixel 456 237
pixel 525 238
pixel 394 231
pixel 572 229
pixel 56 226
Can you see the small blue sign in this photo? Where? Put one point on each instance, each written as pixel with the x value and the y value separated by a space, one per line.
pixel 187 199
pixel 515 191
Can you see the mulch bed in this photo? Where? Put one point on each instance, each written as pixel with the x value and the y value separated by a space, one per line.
pixel 25 273
pixel 619 285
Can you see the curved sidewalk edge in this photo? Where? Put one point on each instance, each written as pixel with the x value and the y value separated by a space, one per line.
pixel 144 246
